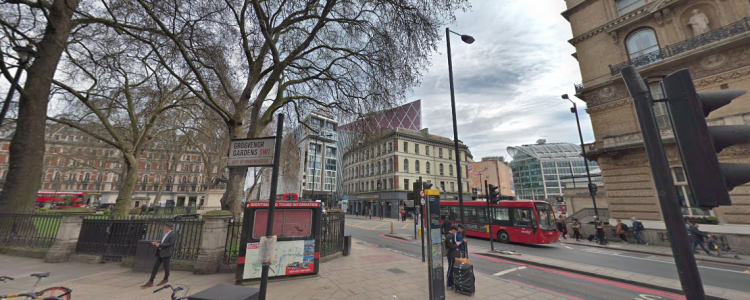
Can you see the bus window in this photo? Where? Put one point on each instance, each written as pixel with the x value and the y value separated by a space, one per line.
pixel 470 214
pixel 444 211
pixel 522 217
pixel 546 216
pixel 481 216
pixel 454 213
pixel 500 216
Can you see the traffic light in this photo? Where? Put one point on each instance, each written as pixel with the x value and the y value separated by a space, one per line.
pixel 710 181
pixel 426 185
pixel 415 192
pixel 493 195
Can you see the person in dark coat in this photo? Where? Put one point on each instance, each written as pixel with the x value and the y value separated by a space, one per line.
pixel 698 238
pixel 446 226
pixel 164 249
pixel 452 245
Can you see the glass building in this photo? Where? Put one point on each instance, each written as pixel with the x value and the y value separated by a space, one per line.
pixel 538 168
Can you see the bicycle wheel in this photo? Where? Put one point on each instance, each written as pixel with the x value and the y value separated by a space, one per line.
pixel 58 292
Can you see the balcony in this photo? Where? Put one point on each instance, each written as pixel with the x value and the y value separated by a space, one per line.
pixel 723 33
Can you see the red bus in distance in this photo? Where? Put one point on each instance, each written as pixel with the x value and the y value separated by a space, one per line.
pixel 60 200
pixel 517 221
pixel 287 197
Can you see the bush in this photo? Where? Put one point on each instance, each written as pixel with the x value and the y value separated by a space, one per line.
pixel 41 210
pixel 107 212
pixel 135 211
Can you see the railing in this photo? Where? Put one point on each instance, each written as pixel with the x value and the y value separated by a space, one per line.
pixel 232 246
pixel 332 234
pixel 118 238
pixel 29 230
pixel 722 33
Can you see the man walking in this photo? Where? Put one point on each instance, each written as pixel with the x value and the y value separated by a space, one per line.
pixel 577 229
pixel 452 245
pixel 599 224
pixel 638 231
pixel 698 239
pixel 164 250
pixel 446 226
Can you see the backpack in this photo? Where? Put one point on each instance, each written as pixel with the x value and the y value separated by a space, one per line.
pixel 624 227
pixel 640 226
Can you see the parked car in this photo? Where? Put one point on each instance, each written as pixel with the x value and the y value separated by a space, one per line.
pixel 105 206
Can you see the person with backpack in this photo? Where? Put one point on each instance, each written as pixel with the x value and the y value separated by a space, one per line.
pixel 562 227
pixel 638 231
pixel 451 246
pixel 577 229
pixel 622 230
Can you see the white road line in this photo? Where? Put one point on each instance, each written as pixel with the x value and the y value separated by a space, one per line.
pixel 571 248
pixel 501 273
pixel 651 258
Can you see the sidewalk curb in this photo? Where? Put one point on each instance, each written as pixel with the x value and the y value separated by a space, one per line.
pixel 738 262
pixel 596 275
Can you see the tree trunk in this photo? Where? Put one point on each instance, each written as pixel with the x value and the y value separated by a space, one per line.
pixel 232 198
pixel 26 154
pixel 122 204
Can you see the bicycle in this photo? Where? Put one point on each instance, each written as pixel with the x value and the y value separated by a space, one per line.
pixel 175 290
pixel 51 293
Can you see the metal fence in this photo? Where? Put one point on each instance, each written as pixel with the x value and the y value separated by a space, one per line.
pixel 232 246
pixel 29 230
pixel 118 238
pixel 332 234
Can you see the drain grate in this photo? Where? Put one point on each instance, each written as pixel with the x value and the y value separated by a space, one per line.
pixel 396 271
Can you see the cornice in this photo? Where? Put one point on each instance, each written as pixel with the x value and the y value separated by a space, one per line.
pixel 622 21
pixel 566 14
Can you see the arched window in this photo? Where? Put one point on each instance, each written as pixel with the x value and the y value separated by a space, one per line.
pixel 57 176
pixel 195 179
pixel 158 179
pixel 441 169
pixel 416 166
pixel 406 165
pixel 427 167
pixel 183 180
pixel 450 170
pixel 145 179
pixel 641 42
pixel 87 177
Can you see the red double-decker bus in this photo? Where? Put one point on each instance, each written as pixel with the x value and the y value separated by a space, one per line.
pixel 61 200
pixel 518 221
pixel 287 197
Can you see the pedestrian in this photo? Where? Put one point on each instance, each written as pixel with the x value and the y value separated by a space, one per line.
pixel 403 216
pixel 370 213
pixel 599 224
pixel 452 248
pixel 622 230
pixel 577 229
pixel 164 250
pixel 461 237
pixel 698 239
pixel 562 227
pixel 638 231
pixel 446 226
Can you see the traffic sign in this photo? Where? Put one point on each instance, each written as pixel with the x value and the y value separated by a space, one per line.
pixel 421 194
pixel 422 201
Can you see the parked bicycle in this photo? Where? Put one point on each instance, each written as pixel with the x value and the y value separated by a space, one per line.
pixel 51 293
pixel 175 291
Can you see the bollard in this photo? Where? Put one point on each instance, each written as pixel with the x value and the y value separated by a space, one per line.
pixel 391 227
pixel 420 232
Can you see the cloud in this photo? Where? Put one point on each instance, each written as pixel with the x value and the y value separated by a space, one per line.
pixel 508 83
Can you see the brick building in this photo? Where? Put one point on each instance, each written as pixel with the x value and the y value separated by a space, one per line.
pixel 710 38
pixel 76 162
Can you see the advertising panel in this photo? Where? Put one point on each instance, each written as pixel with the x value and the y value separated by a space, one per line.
pixel 292 258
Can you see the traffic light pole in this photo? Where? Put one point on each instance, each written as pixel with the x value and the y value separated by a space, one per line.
pixel 489 220
pixel 687 269
pixel 421 217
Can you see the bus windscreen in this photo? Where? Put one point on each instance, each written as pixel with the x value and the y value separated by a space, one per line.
pixel 546 216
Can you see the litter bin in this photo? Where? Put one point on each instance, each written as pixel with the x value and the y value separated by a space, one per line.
pixel 145 256
pixel 227 292
pixel 347 245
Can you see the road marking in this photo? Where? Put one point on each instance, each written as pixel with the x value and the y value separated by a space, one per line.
pixel 501 273
pixel 405 226
pixel 650 258
pixel 571 248
pixel 380 225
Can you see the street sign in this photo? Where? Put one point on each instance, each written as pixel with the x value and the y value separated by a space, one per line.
pixel 421 194
pixel 251 152
pixel 422 201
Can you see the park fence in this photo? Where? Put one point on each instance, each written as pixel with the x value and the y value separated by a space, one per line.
pixel 29 230
pixel 332 234
pixel 115 239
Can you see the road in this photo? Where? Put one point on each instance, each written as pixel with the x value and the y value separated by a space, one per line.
pixel 570 285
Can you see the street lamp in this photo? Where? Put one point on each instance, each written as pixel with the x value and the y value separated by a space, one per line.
pixel 467 39
pixel 25 54
pixel 592 187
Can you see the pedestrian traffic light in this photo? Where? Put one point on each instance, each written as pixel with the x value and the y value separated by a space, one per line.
pixel 426 185
pixel 493 194
pixel 709 180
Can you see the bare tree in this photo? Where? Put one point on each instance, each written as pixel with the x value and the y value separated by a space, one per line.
pixel 48 25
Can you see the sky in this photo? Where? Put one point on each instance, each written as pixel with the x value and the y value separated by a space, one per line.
pixel 508 83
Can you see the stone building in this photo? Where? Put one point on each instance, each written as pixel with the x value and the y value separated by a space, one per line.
pixel 710 38
pixel 379 174
pixel 77 162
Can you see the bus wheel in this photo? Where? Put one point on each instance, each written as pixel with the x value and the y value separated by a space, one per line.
pixel 503 237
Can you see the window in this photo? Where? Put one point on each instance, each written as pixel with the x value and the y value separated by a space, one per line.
pixel 390 146
pixel 660 108
pixel 523 217
pixel 406 184
pixel 316 122
pixel 416 149
pixel 406 165
pixel 427 150
pixel 406 147
pixel 441 169
pixel 686 197
pixel 642 42
pixel 442 185
pixel 390 164
pixel 626 6
pixel 453 188
pixel 440 152
pixel 450 170
pixel 416 166
pixel 427 167
pixel 450 153
pixel 390 183
pixel 500 216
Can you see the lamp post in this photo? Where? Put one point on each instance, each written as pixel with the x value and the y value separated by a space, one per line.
pixel 592 188
pixel 467 39
pixel 25 54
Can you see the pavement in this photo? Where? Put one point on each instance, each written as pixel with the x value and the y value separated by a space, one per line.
pixel 368 273
pixel 587 272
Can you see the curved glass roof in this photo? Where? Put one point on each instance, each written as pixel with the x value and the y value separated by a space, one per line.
pixel 545 151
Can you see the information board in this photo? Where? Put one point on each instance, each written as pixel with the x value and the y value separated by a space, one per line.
pixel 292 258
pixel 435 242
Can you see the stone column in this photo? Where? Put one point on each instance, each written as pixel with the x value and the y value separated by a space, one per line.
pixel 213 240
pixel 67 235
